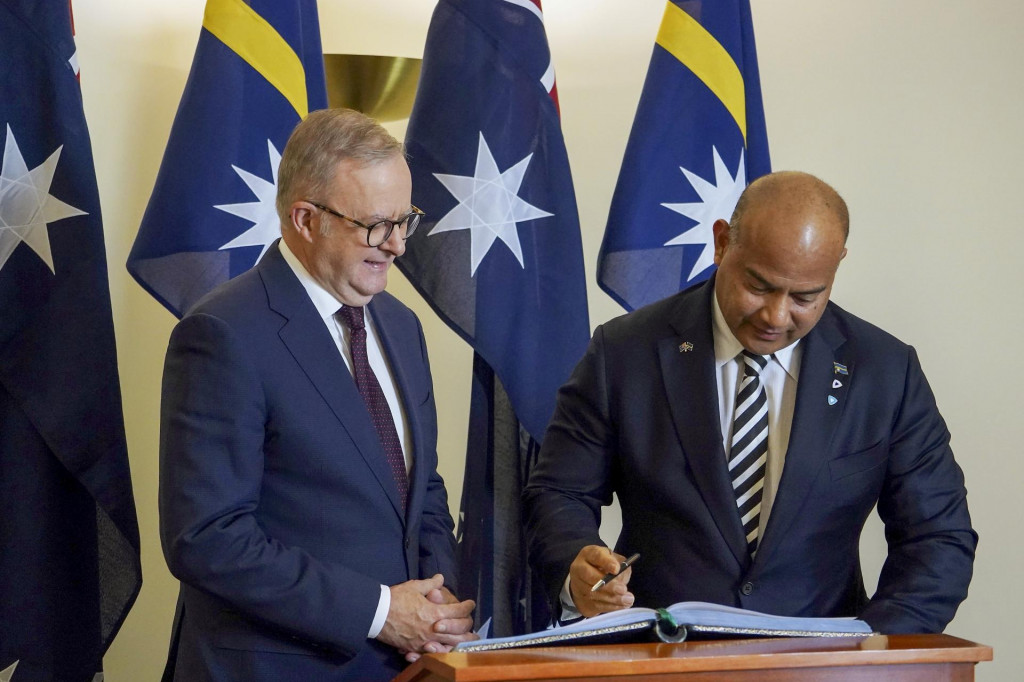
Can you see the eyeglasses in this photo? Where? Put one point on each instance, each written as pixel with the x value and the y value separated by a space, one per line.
pixel 379 232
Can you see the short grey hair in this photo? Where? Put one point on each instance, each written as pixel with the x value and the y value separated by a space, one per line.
pixel 319 143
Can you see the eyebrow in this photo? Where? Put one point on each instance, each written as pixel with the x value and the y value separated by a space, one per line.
pixel 769 285
pixel 378 217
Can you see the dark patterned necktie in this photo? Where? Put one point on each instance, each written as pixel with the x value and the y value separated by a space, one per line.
pixel 373 396
pixel 748 455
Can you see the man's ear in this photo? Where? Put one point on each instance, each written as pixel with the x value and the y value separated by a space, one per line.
pixel 302 219
pixel 721 231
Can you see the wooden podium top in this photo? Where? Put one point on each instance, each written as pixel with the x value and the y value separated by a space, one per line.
pixel 718 660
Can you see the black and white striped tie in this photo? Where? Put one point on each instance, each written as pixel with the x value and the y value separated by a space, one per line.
pixel 748 455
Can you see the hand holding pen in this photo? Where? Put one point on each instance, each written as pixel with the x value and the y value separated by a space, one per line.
pixel 612 576
pixel 596 564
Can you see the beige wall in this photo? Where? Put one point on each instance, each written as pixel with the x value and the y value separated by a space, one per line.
pixel 910 108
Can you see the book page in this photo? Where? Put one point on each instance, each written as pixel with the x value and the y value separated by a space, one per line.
pixel 717 615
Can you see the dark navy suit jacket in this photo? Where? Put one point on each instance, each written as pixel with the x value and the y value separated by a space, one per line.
pixel 640 418
pixel 278 512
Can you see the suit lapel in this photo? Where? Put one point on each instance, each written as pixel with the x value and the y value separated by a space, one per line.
pixel 820 401
pixel 310 343
pixel 692 390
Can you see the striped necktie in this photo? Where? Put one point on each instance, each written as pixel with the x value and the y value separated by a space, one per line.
pixel 748 454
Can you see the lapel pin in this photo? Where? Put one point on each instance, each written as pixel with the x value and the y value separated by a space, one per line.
pixel 685 347
pixel 836 383
pixel 832 400
pixel 839 368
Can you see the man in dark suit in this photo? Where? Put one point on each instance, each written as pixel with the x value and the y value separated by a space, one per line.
pixel 300 505
pixel 750 487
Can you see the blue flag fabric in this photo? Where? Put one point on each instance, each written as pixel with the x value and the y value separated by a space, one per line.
pixel 69 539
pixel 258 70
pixel 499 258
pixel 697 140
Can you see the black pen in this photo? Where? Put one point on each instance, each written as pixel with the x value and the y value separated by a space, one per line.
pixel 611 576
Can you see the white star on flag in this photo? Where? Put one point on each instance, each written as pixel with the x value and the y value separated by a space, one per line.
pixel 262 213
pixel 489 205
pixel 717 201
pixel 26 205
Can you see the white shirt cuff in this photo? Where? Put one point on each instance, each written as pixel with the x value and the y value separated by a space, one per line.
pixel 383 606
pixel 569 611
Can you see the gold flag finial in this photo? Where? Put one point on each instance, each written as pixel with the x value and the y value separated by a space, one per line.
pixel 381 87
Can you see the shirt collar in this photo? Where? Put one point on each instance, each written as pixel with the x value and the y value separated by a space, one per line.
pixel 323 300
pixel 727 346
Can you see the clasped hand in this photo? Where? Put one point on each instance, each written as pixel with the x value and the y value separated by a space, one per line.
pixel 425 617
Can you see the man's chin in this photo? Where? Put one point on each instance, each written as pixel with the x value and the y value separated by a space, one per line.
pixel 372 285
pixel 761 344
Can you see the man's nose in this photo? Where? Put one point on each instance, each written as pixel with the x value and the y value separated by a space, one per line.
pixel 394 243
pixel 776 311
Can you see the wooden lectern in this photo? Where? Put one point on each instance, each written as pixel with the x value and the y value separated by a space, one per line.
pixel 917 658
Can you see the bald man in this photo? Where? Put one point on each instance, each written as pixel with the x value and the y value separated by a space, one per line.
pixel 748 426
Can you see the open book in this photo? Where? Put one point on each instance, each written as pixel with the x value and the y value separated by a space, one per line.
pixel 675 624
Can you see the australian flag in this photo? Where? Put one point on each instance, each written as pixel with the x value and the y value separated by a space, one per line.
pixel 258 70
pixel 698 138
pixel 69 539
pixel 499 258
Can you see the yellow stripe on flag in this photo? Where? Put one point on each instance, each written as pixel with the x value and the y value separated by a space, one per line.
pixel 253 39
pixel 691 44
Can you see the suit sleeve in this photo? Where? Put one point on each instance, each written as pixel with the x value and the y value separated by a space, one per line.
pixel 213 416
pixel 437 538
pixel 572 478
pixel 923 505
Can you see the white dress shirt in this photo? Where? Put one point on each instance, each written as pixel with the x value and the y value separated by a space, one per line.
pixel 327 305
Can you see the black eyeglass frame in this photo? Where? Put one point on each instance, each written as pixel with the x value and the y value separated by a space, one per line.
pixel 413 218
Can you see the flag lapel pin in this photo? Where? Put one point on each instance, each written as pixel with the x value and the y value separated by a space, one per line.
pixel 685 347
pixel 838 370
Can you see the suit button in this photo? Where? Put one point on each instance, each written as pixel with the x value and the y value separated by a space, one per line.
pixel 408 542
pixel 747 588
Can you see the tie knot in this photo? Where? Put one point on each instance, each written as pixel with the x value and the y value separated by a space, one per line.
pixel 352 316
pixel 753 364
